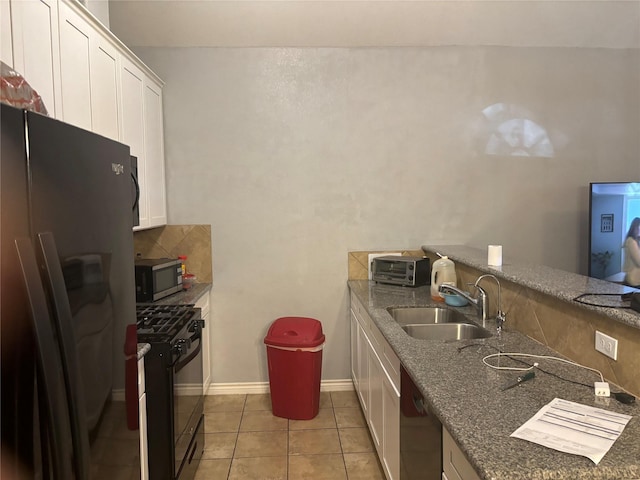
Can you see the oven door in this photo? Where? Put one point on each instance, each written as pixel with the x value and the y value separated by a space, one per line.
pixel 188 404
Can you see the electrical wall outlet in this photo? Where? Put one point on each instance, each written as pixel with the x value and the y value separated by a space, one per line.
pixel 607 345
pixel 374 255
pixel 602 389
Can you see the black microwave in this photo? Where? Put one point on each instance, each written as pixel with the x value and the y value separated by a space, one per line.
pixel 156 278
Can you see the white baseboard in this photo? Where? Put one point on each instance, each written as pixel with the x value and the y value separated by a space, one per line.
pixel 246 388
pixel 263 387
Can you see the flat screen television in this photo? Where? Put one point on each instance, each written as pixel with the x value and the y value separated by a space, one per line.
pixel 612 207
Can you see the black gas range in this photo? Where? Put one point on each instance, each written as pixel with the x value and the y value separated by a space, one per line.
pixel 174 388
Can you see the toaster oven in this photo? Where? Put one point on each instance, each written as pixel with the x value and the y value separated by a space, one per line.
pixel 406 271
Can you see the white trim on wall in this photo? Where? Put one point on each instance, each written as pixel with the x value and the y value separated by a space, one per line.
pixel 263 387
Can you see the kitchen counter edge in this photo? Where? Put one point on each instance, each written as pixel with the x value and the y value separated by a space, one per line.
pixel 466 396
pixel 556 283
pixel 186 297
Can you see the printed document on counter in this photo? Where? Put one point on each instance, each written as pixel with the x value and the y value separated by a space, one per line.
pixel 574 428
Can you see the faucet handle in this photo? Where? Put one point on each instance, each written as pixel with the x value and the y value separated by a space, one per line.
pixel 481 291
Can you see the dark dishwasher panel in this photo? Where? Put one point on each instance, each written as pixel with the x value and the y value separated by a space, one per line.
pixel 420 435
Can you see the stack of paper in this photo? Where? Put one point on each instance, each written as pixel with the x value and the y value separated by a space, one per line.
pixel 574 428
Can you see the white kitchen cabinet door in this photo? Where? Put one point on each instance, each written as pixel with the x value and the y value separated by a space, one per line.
pixel 75 52
pixel 132 126
pixel 454 463
pixel 36 48
pixel 391 430
pixel 376 410
pixel 363 366
pixel 104 88
pixel 154 154
pixel 355 369
pixel 375 370
pixel 6 43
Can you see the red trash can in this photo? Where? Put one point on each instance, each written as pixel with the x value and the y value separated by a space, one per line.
pixel 294 355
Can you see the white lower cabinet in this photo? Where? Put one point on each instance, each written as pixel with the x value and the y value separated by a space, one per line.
pixel 360 365
pixel 376 407
pixel 375 369
pixel 203 305
pixel 454 463
pixel 391 429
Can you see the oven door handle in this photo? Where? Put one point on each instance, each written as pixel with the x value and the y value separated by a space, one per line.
pixel 180 364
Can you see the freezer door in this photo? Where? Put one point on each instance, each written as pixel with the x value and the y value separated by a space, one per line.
pixel 68 351
pixel 16 337
pixel 52 394
pixel 81 192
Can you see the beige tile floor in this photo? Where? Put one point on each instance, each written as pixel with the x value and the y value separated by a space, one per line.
pixel 245 441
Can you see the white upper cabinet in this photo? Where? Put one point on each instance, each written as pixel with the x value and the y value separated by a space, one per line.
pixel 132 127
pixel 89 74
pixel 36 51
pixel 75 53
pixel 88 78
pixel 104 88
pixel 154 154
pixel 6 43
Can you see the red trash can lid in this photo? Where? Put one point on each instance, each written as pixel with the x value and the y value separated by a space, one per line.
pixel 299 332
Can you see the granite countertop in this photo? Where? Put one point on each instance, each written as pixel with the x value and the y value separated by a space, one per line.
pixel 466 395
pixel 186 297
pixel 557 283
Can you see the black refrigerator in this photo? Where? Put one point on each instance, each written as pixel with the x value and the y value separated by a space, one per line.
pixel 67 294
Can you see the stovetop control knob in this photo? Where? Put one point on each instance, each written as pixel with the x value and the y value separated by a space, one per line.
pixel 181 346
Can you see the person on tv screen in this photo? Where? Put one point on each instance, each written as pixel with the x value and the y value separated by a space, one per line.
pixel 632 254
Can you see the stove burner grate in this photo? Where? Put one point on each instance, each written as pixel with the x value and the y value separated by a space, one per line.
pixel 161 323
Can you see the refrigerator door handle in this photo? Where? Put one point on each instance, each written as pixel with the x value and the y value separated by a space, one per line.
pixel 54 279
pixel 134 179
pixel 49 365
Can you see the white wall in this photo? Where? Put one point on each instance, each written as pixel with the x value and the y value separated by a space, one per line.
pixel 365 23
pixel 100 9
pixel 297 156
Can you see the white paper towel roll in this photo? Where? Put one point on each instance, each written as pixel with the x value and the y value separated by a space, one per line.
pixel 494 257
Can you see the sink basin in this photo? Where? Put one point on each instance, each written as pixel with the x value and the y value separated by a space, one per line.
pixel 446 331
pixel 426 315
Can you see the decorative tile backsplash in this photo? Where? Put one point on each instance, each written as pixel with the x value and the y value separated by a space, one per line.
pixel 566 328
pixel 169 241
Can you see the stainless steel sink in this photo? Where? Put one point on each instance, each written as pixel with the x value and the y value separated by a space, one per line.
pixel 426 315
pixel 446 331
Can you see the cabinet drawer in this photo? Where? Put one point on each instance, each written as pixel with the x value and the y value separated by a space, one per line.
pixel 360 313
pixel 203 305
pixel 388 357
pixel 454 462
pixel 392 364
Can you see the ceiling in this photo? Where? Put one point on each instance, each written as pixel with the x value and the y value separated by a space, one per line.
pixel 363 23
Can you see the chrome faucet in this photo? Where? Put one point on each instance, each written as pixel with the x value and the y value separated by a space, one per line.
pixel 481 302
pixel 501 317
